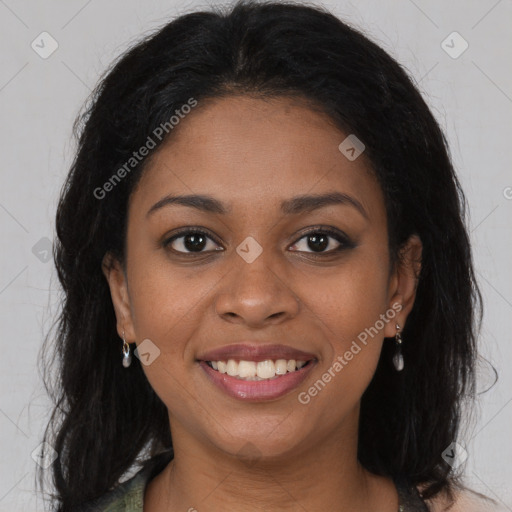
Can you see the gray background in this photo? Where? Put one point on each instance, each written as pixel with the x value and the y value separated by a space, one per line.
pixel 471 96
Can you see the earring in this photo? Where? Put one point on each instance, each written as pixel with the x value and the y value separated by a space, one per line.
pixel 398 358
pixel 127 357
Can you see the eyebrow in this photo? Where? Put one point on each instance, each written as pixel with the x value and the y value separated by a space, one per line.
pixel 293 206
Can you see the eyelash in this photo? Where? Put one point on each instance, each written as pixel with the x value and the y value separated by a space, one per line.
pixel 340 237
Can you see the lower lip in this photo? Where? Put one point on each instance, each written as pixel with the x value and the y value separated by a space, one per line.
pixel 257 390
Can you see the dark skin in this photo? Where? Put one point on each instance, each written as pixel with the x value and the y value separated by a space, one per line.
pixel 252 154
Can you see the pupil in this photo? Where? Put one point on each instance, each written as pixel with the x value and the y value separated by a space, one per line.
pixel 321 242
pixel 194 242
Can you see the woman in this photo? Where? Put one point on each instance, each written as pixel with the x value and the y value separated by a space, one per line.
pixel 263 206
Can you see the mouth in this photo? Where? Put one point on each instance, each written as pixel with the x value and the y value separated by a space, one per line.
pixel 254 371
pixel 259 381
pixel 258 370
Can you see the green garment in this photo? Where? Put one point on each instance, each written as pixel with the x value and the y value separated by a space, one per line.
pixel 129 495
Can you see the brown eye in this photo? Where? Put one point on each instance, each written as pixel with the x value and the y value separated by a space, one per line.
pixel 192 241
pixel 322 241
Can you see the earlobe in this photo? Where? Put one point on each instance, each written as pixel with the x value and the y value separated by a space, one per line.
pixel 117 282
pixel 405 279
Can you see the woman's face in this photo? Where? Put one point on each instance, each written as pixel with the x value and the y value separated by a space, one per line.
pixel 270 269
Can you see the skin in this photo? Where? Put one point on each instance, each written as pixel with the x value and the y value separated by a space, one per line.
pixel 252 154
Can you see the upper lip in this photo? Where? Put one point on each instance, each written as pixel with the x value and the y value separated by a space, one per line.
pixel 255 352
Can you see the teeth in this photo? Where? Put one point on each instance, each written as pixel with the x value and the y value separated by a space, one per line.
pixel 281 367
pixel 232 368
pixel 266 369
pixel 247 369
pixel 262 370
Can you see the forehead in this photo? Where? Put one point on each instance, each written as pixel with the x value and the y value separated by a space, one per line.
pixel 249 151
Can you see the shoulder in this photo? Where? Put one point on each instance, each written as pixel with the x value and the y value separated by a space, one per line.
pixel 125 497
pixel 464 500
pixel 128 496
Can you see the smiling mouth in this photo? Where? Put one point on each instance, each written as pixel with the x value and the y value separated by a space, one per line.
pixel 261 370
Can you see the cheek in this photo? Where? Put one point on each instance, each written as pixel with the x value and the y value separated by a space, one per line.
pixel 167 308
pixel 351 305
pixel 352 297
pixel 354 338
pixel 165 300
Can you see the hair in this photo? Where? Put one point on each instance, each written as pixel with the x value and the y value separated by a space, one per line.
pixel 105 416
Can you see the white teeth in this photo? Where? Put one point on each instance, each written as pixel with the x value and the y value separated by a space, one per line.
pixel 232 368
pixel 281 367
pixel 266 369
pixel 252 370
pixel 247 369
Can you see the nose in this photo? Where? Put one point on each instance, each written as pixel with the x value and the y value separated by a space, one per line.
pixel 255 294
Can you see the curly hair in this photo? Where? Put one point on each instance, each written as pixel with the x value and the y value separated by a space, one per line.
pixel 106 417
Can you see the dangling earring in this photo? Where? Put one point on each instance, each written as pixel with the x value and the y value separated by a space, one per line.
pixel 127 357
pixel 398 358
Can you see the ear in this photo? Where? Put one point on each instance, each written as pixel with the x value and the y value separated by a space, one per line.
pixel 118 284
pixel 403 283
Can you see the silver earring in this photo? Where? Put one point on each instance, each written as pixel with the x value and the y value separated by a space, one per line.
pixel 127 357
pixel 398 358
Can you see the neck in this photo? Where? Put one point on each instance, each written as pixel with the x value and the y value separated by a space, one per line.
pixel 325 475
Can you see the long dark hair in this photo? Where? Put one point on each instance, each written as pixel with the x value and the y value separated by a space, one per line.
pixel 107 418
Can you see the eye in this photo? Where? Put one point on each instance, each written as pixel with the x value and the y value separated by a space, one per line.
pixel 321 239
pixel 192 241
